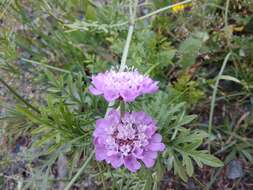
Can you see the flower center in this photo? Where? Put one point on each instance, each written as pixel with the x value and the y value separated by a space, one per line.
pixel 125 137
pixel 124 80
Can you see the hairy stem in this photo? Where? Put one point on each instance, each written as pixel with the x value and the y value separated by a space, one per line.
pixel 129 36
pixel 210 123
pixel 80 171
pixel 122 67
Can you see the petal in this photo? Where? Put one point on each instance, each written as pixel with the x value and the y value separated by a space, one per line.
pixel 152 88
pixel 156 138
pixel 116 160
pixel 101 125
pixel 140 115
pixel 100 153
pixel 150 154
pixel 128 96
pixel 99 141
pixel 149 162
pixel 131 163
pixel 98 131
pixel 110 95
pixel 94 91
pixel 149 158
pixel 114 116
pixel 150 130
pixel 149 86
pixel 138 152
pixel 156 146
pixel 147 120
pixel 111 153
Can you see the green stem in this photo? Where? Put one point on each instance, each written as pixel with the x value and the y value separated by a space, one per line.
pixel 80 171
pixel 48 66
pixel 226 22
pixel 210 123
pixel 126 48
pixel 122 67
pixel 129 37
pixel 127 45
pixel 226 12
pixel 18 96
pixel 122 108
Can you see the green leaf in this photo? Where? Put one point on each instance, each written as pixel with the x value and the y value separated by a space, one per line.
pixel 247 154
pixel 52 148
pixel 39 130
pixel 179 169
pixel 45 139
pixel 188 164
pixel 30 115
pixel 190 48
pixel 227 77
pixel 207 159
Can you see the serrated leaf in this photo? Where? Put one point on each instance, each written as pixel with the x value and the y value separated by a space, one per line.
pixel 179 169
pixel 207 159
pixel 188 164
pixel 189 50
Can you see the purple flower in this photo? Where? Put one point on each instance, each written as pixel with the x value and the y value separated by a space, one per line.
pixel 127 140
pixel 126 85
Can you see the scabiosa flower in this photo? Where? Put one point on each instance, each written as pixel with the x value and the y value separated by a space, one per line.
pixel 127 140
pixel 125 85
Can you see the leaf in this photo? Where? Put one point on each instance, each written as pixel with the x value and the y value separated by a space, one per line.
pixel 52 148
pixel 227 77
pixel 194 145
pixel 247 154
pixel 90 11
pixel 187 119
pixel 34 118
pixel 179 169
pixel 169 163
pixel 188 164
pixel 207 159
pixel 39 130
pixel 191 137
pixel 198 162
pixel 45 139
pixel 190 48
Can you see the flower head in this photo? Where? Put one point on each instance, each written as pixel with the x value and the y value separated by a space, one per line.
pixel 127 140
pixel 125 85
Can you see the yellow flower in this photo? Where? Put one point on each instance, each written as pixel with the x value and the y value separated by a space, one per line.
pixel 180 8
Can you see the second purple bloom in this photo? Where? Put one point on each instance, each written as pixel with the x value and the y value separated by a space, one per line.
pixel 122 85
